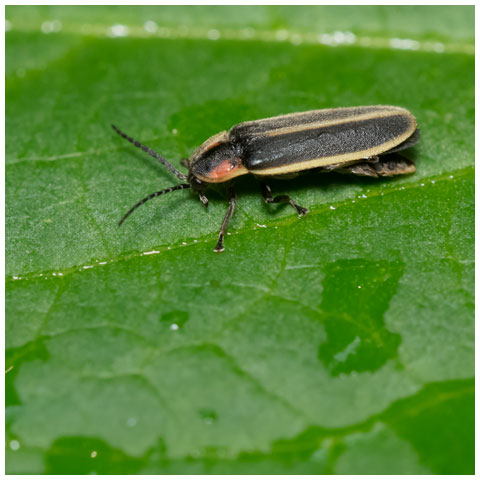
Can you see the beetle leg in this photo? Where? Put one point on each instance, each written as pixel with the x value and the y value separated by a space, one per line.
pixel 231 208
pixel 387 166
pixel 267 196
pixel 203 199
pixel 394 164
pixel 360 169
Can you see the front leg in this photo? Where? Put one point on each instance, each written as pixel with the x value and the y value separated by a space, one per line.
pixel 231 208
pixel 267 196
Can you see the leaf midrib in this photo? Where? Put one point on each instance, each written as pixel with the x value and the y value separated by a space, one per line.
pixel 282 222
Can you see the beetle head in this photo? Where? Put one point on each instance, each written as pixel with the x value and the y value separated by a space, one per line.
pixel 215 161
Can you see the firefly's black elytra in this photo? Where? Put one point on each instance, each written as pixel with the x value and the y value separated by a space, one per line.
pixel 358 140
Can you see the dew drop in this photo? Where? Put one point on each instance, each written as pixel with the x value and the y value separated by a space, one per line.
pixel 131 422
pixel 281 35
pixel 150 26
pixel 338 37
pixel 404 44
pixel 51 26
pixel 14 444
pixel 213 34
pixel 118 31
pixel 326 39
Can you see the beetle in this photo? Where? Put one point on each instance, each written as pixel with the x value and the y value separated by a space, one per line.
pixel 358 140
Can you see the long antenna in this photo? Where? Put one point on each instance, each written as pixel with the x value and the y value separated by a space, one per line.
pixel 182 186
pixel 153 153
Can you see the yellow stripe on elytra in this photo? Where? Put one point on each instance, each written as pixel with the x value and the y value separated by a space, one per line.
pixel 378 108
pixel 338 121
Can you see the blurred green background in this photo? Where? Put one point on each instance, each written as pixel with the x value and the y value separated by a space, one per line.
pixel 339 343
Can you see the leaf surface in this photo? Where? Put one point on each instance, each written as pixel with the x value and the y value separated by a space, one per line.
pixel 342 342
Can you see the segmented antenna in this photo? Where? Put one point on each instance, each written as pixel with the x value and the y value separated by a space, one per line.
pixel 182 186
pixel 153 153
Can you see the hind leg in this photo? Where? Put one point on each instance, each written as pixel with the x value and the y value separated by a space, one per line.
pixel 383 166
pixel 267 196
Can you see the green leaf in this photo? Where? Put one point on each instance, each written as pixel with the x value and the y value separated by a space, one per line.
pixel 339 343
